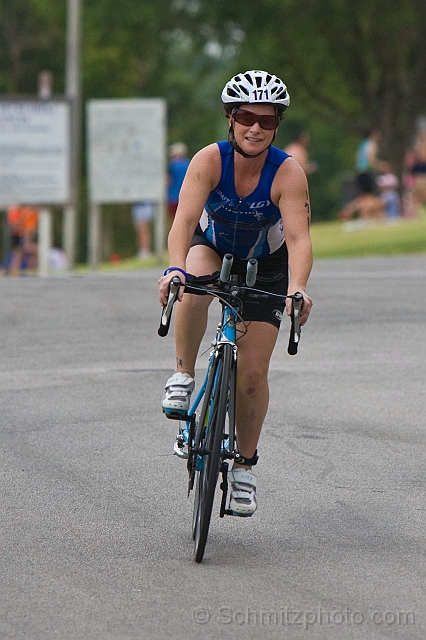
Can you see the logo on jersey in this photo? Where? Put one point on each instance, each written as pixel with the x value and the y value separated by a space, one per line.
pixel 260 205
pixel 278 314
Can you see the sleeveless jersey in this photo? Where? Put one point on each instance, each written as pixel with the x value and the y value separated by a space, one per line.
pixel 248 227
pixel 362 161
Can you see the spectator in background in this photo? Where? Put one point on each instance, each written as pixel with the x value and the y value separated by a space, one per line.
pixel 414 179
pixel 22 221
pixel 366 206
pixel 418 171
pixel 388 184
pixel 298 149
pixel 142 216
pixel 367 156
pixel 178 165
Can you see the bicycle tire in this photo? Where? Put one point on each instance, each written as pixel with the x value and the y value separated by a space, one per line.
pixel 212 440
pixel 199 442
pixel 206 439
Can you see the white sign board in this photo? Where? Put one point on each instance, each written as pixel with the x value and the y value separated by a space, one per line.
pixel 35 152
pixel 126 150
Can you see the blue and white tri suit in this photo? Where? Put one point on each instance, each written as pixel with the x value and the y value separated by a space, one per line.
pixel 249 227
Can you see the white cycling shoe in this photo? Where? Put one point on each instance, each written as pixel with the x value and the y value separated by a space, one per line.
pixel 243 500
pixel 176 400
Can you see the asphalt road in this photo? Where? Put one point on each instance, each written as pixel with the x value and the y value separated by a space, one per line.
pixel 95 523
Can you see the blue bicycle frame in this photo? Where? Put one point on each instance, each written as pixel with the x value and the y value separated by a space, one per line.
pixel 226 332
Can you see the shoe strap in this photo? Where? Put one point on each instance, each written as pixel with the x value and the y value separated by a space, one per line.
pixel 178 392
pixel 243 495
pixel 241 477
pixel 180 381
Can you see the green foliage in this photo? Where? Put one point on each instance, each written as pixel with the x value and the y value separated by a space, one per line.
pixel 32 34
pixel 348 65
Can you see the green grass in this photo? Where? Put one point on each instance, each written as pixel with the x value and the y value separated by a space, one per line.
pixel 126 264
pixel 331 240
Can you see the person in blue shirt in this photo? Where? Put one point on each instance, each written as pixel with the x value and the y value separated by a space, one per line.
pixel 177 168
pixel 249 198
pixel 367 155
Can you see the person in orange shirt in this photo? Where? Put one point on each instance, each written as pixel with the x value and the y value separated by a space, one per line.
pixel 22 221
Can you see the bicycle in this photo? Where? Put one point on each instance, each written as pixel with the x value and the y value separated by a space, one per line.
pixel 208 441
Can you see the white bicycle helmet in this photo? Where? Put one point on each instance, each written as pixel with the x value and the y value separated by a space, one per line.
pixel 251 87
pixel 256 86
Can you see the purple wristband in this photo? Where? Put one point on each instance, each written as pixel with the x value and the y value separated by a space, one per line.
pixel 176 269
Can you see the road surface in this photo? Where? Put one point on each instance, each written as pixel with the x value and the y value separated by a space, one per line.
pixel 95 522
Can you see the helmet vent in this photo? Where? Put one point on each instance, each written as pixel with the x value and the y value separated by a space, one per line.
pixel 232 93
pixel 256 86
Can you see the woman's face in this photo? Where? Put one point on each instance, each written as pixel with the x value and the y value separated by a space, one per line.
pixel 253 139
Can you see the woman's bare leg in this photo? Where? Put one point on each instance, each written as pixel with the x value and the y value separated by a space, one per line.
pixel 254 354
pixel 191 314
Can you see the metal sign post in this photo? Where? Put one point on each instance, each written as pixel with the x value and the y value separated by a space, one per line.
pixel 73 92
pixel 44 241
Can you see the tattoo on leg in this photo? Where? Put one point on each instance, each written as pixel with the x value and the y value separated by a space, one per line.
pixel 179 362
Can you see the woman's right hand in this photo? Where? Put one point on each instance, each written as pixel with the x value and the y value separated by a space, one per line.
pixel 164 286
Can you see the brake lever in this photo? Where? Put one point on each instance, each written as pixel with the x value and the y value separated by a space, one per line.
pixel 166 314
pixel 295 329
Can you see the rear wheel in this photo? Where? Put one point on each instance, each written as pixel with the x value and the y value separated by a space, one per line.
pixel 211 430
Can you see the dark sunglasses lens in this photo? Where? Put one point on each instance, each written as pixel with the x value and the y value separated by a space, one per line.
pixel 269 122
pixel 247 119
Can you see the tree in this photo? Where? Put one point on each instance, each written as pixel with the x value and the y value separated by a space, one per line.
pixel 32 34
pixel 349 65
pixel 357 64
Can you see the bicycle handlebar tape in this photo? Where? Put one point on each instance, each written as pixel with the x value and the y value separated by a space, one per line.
pixel 294 339
pixel 166 314
pixel 251 275
pixel 225 272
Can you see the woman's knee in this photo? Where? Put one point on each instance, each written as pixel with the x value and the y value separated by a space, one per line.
pixel 252 380
pixel 197 306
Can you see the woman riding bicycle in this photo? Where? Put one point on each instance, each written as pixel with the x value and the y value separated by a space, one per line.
pixel 245 197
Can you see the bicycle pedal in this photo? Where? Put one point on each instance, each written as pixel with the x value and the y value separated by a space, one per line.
pixel 172 414
pixel 179 450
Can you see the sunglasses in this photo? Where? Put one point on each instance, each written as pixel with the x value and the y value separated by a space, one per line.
pixel 248 118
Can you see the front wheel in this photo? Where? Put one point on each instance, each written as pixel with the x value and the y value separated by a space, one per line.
pixel 211 429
